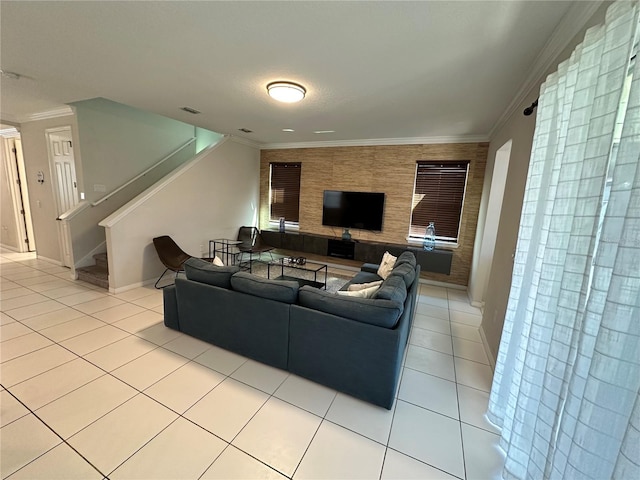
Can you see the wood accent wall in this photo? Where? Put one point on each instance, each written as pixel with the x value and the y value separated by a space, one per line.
pixel 388 169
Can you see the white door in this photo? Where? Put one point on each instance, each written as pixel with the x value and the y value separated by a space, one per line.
pixel 65 187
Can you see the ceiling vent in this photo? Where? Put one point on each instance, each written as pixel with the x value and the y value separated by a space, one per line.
pixel 245 130
pixel 190 110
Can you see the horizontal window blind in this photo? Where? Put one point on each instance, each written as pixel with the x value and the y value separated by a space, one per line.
pixel 285 191
pixel 437 197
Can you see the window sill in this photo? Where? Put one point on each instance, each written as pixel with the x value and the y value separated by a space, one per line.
pixel 417 242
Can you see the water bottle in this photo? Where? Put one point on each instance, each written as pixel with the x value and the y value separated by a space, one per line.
pixel 281 226
pixel 429 241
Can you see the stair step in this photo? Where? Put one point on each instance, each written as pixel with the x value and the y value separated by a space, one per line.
pixel 95 275
pixel 101 260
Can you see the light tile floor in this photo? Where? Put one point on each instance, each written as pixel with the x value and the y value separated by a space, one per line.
pixel 93 385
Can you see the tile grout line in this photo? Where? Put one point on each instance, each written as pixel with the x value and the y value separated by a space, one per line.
pixel 464 461
pixel 56 434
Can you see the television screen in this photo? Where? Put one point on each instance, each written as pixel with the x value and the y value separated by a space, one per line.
pixel 362 210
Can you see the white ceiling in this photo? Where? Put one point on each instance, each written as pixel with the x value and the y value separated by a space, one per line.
pixel 373 70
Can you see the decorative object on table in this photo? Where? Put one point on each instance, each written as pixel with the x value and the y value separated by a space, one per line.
pixel 429 242
pixel 281 225
pixel 346 235
pixel 297 260
pixel 170 254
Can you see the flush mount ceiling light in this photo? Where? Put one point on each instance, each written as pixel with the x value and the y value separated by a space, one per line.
pixel 287 92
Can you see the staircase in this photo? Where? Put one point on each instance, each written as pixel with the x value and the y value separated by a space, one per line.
pixel 97 274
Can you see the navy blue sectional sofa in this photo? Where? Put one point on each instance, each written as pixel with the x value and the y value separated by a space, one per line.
pixel 354 345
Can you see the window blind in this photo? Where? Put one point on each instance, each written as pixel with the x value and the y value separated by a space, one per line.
pixel 285 191
pixel 437 197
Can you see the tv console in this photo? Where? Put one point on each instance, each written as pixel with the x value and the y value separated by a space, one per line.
pixel 436 261
pixel 341 248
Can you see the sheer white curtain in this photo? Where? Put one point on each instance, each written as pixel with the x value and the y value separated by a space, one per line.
pixel 567 380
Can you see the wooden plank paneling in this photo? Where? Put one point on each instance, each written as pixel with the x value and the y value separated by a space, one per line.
pixel 388 169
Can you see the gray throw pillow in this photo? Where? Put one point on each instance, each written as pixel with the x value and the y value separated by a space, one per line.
pixel 202 271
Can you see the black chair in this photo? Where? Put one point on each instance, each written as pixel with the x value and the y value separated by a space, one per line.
pixel 252 243
pixel 170 254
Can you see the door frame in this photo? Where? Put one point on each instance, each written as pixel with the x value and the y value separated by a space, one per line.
pixel 64 239
pixel 17 189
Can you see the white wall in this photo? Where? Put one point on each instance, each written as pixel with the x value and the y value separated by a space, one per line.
pixel 118 142
pixel 207 198
pixel 485 242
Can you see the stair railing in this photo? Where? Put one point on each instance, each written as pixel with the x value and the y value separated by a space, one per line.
pixel 140 175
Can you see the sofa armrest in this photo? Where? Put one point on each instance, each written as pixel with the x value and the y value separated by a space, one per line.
pixel 370 267
pixel 170 307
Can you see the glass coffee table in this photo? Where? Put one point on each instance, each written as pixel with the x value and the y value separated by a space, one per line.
pixel 289 270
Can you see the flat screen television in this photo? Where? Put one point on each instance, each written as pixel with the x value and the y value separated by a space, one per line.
pixel 361 210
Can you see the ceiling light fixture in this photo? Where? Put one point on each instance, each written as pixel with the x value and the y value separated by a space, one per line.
pixel 286 92
pixel 325 131
pixel 288 130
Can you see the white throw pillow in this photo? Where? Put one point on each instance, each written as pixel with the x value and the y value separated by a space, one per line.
pixel 364 293
pixel 361 286
pixel 217 262
pixel 386 265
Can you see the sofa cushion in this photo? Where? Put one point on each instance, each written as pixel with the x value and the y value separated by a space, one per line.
pixel 383 313
pixel 361 293
pixel 406 257
pixel 406 272
pixel 354 287
pixel 364 277
pixel 202 271
pixel 280 290
pixel 393 289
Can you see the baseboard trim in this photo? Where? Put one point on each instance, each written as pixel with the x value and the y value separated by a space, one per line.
pixel 130 286
pixel 56 262
pixel 9 247
pixel 426 281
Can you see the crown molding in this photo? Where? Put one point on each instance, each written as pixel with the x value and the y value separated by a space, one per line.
pixel 573 21
pixel 58 112
pixel 244 141
pixel 378 141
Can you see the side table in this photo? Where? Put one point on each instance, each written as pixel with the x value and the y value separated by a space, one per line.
pixel 226 248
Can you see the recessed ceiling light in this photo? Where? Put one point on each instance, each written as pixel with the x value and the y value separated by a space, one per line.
pixel 325 131
pixel 288 130
pixel 286 92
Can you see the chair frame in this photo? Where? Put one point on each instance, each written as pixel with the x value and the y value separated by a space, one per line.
pixel 249 246
pixel 171 256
